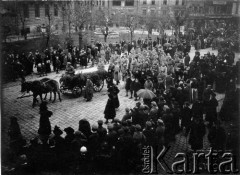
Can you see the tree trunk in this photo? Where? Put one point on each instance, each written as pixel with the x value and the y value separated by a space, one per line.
pixel 69 30
pixel 131 36
pixel 80 38
pixel 47 43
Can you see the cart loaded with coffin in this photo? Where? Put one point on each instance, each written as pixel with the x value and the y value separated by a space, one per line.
pixel 76 83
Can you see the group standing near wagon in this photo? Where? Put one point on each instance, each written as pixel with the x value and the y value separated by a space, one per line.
pixel 180 90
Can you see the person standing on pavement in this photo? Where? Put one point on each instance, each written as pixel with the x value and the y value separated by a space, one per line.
pixel 117 76
pixel 44 124
pixel 211 110
pixel 115 92
pixel 88 90
pixel 128 84
pixel 196 134
pixel 110 112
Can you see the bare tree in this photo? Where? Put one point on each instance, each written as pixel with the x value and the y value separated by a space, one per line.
pixel 22 18
pixel 131 22
pixel 163 23
pixel 67 16
pixel 101 19
pixel 151 22
pixel 81 17
pixel 178 19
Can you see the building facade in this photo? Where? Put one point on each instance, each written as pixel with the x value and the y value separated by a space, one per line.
pixel 33 15
pixel 219 12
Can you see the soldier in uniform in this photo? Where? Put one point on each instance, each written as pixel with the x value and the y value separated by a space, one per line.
pixel 88 90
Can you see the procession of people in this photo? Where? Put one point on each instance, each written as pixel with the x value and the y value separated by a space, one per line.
pixel 173 94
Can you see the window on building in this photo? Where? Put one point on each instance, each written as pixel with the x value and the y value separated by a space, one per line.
pixel 37 11
pixel 129 3
pixel 153 2
pixel 55 10
pixel 116 2
pixel 25 11
pixel 56 27
pixel 144 2
pixel 177 2
pixel 152 12
pixel 217 9
pixel 164 2
pixel 97 3
pixel 144 11
pixel 46 10
pixel 183 2
pixel 103 3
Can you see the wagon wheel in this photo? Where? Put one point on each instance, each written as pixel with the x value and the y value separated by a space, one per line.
pixel 98 88
pixel 77 91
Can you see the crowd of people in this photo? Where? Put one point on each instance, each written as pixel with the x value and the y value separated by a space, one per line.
pixel 185 100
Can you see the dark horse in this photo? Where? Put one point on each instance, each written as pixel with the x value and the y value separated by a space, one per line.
pixel 39 87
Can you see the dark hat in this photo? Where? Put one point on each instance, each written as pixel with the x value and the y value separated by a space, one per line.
pixel 57 131
pixel 13 118
pixel 69 130
pixel 100 122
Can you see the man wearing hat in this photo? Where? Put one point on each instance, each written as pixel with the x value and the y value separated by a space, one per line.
pixel 148 84
pixel 102 132
pixel 69 69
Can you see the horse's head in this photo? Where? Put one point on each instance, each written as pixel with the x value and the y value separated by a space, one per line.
pixel 26 86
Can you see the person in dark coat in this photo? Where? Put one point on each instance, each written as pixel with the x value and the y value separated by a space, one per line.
pixel 149 133
pixel 69 136
pixel 186 118
pixel 217 137
pixel 211 110
pixel 187 60
pixel 44 123
pixel 16 140
pixel 84 127
pixel 115 92
pixel 128 84
pixel 132 88
pixel 102 132
pixel 207 94
pixel 196 135
pixel 137 87
pixel 93 141
pixel 109 111
pixel 57 141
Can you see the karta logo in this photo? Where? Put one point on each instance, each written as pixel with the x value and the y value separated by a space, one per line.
pixel 210 161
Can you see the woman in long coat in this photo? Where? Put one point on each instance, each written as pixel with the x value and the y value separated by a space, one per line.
pixel 115 92
pixel 109 111
pixel 44 123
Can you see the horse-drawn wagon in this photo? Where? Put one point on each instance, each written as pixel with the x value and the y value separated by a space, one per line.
pixel 75 84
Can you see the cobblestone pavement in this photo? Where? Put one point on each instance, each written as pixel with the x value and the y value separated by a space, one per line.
pixel 68 112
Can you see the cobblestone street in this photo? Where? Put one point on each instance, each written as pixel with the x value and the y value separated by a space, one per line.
pixel 69 112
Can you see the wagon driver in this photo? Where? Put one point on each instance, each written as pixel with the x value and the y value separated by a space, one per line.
pixel 69 69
